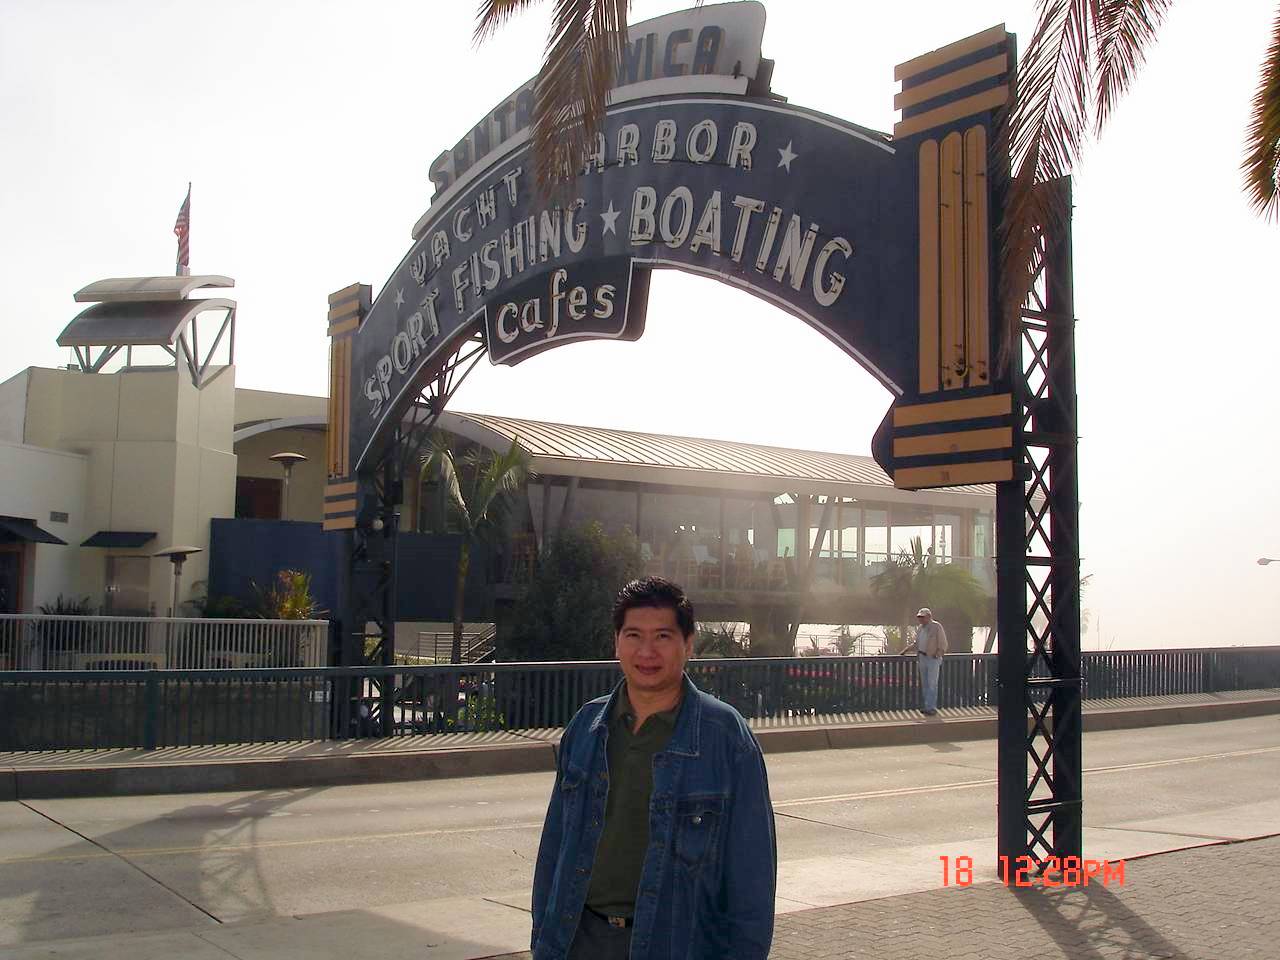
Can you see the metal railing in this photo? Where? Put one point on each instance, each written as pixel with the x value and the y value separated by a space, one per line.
pixel 40 642
pixel 46 710
pixel 476 647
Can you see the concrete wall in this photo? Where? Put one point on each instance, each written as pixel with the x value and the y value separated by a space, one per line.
pixel 13 407
pixel 268 405
pixel 306 486
pixel 158 456
pixel 36 483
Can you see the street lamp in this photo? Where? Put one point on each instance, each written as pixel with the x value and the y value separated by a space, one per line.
pixel 286 459
pixel 1263 561
pixel 176 556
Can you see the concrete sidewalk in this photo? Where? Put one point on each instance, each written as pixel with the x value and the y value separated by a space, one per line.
pixel 1205 903
pixel 89 773
pixel 1211 902
pixel 1215 903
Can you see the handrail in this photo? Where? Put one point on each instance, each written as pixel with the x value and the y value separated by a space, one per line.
pixel 149 619
pixel 70 709
pixel 36 641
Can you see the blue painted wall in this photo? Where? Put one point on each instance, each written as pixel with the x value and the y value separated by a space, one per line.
pixel 244 552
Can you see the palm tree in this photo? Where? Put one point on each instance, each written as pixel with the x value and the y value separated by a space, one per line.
pixel 915 579
pixel 570 94
pixel 896 585
pixel 1082 57
pixel 482 494
pixel 845 643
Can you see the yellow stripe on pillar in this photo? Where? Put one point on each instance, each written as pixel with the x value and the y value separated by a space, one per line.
pixel 951 261
pixel 976 259
pixel 928 266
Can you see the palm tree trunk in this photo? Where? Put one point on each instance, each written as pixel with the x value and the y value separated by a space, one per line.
pixel 459 593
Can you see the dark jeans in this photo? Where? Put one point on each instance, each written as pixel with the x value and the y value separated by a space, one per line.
pixel 597 940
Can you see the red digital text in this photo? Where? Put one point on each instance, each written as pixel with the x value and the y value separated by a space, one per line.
pixel 1027 872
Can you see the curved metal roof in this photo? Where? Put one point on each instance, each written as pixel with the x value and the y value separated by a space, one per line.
pixel 148 288
pixel 561 449
pixel 135 323
pixel 681 459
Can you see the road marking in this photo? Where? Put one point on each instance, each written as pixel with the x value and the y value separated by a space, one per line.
pixel 988 781
pixel 215 848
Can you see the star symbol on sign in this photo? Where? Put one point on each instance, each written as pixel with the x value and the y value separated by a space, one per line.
pixel 787 155
pixel 610 218
pixel 400 297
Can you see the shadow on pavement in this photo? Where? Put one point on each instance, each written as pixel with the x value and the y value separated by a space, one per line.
pixel 191 866
pixel 1093 923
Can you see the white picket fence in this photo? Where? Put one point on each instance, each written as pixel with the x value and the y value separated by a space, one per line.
pixel 40 642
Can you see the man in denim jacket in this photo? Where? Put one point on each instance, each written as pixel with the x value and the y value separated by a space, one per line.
pixel 658 842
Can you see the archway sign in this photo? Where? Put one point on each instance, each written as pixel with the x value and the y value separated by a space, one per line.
pixel 884 243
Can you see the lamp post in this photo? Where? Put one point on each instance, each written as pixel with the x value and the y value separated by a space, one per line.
pixel 176 556
pixel 1263 561
pixel 286 459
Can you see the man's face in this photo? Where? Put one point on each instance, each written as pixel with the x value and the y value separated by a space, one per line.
pixel 652 650
pixel 923 618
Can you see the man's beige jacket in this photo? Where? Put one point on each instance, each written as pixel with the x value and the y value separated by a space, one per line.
pixel 931 639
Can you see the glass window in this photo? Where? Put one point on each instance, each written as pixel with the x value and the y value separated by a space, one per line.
pixel 983 541
pixel 876 532
pixel 946 532
pixel 787 542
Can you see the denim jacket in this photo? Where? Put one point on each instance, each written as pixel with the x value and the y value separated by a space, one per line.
pixel 707 885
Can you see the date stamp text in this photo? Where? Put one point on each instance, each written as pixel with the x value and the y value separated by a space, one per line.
pixel 1026 872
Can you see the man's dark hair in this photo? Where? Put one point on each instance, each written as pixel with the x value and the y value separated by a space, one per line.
pixel 654 592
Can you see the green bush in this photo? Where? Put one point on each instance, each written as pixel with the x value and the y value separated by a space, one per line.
pixel 567 613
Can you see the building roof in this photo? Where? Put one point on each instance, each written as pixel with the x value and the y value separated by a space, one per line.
pixel 565 449
pixel 135 323
pixel 148 288
pixel 561 449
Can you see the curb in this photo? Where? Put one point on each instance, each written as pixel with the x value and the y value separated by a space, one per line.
pixel 275 774
pixel 1123 718
pixel 45 783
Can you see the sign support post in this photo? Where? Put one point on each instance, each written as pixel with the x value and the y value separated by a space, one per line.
pixel 1038 580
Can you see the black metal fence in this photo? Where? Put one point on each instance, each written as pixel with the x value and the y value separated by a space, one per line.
pixel 57 710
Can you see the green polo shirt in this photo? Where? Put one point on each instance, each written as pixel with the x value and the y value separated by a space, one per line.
pixel 625 837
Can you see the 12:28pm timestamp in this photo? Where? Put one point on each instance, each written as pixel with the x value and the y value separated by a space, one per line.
pixel 1026 872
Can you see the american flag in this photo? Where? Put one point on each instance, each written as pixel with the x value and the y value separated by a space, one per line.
pixel 182 230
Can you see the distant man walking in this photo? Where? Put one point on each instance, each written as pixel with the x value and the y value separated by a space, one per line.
pixel 931 645
pixel 659 840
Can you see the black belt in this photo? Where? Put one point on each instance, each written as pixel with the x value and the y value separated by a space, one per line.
pixel 621 922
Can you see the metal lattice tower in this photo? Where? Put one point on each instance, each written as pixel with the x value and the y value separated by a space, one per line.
pixel 1040 766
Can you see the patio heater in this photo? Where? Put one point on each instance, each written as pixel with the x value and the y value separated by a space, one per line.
pixel 176 556
pixel 286 459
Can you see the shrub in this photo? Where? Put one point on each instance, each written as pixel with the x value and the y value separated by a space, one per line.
pixel 567 613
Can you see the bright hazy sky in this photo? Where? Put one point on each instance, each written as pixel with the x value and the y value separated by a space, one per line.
pixel 308 128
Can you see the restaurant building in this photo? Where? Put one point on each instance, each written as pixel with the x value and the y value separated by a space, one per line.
pixel 148 443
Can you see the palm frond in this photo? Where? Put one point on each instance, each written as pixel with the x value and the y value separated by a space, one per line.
pixel 498 477
pixel 1262 148
pixel 493 16
pixel 442 461
pixel 1043 134
pixel 571 92
pixel 1126 29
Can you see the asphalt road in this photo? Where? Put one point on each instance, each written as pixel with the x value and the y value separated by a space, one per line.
pixel 852 824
